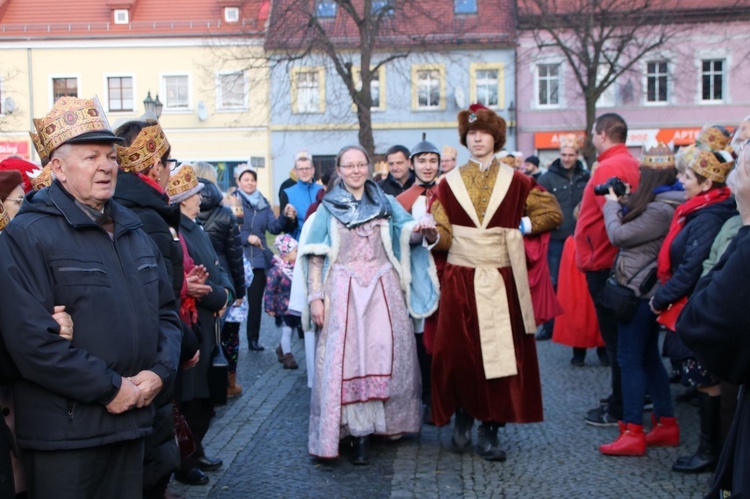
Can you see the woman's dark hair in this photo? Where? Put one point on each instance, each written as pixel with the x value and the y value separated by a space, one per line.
pixel 651 178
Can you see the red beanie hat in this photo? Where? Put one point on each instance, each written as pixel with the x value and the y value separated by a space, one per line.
pixel 22 166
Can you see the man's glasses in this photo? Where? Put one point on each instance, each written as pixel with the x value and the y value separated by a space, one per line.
pixel 352 166
pixel 172 164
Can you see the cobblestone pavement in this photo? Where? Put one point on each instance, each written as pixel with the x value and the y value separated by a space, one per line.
pixel 262 438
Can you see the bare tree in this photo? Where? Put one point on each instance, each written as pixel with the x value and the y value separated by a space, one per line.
pixel 600 39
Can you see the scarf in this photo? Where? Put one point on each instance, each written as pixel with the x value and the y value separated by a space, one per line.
pixel 255 199
pixel 149 181
pixel 664 261
pixel 188 309
pixel 353 213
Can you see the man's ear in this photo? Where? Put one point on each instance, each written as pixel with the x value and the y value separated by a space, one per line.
pixel 55 165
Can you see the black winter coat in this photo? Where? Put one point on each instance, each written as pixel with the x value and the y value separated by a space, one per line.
pixel 195 380
pixel 715 325
pixel 391 186
pixel 121 301
pixel 568 191
pixel 221 226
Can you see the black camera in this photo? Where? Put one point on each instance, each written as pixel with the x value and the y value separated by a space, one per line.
pixel 615 183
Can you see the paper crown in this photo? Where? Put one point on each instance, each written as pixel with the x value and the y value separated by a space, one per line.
pixel 182 184
pixel 244 168
pixel 507 158
pixel 4 219
pixel 712 138
pixel 706 164
pixel 741 135
pixel 148 146
pixel 570 140
pixel 72 120
pixel 40 148
pixel 658 156
pixel 449 152
pixel 302 155
pixel 41 178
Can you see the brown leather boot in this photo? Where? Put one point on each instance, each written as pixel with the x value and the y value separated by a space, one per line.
pixel 234 388
pixel 289 362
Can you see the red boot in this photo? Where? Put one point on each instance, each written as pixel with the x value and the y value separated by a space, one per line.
pixel 631 442
pixel 664 432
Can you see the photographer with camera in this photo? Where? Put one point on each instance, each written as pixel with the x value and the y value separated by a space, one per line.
pixel 595 254
pixel 638 225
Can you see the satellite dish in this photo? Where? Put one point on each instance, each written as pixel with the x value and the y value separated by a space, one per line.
pixel 459 96
pixel 202 111
pixel 9 105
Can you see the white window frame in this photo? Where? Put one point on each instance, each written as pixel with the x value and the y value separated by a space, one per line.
pixel 537 84
pixel 121 16
pixel 724 79
pixel 474 67
pixel 321 76
pixel 54 77
pixel 647 75
pixel 165 95
pixel 416 69
pixel 106 92
pixel 231 14
pixel 220 105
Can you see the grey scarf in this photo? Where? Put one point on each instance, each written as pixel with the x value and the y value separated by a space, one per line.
pixel 352 213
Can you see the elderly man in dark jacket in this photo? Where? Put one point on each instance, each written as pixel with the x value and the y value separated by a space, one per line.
pixel 84 406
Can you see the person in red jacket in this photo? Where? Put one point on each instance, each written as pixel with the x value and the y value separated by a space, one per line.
pixel 595 255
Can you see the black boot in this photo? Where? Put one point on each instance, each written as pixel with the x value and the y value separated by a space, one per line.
pixel 255 347
pixel 462 430
pixel 488 444
pixel 706 456
pixel 360 450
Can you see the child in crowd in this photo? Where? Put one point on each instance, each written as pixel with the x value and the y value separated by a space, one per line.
pixel 230 334
pixel 278 287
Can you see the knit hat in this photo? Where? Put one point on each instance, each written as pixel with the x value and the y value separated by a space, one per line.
pixel 533 160
pixel 9 180
pixel 22 166
pixel 478 117
pixel 285 244
pixel 182 184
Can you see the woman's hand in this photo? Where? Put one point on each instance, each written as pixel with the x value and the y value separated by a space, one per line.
pixel 290 211
pixel 254 240
pixel 193 361
pixel 65 321
pixel 611 196
pixel 651 306
pixel 427 227
pixel 317 312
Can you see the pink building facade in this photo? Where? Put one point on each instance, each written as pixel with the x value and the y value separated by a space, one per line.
pixel 702 76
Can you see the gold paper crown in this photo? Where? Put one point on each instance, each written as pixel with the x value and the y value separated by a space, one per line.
pixel 182 184
pixel 149 145
pixel 449 152
pixel 707 165
pixel 4 219
pixel 569 140
pixel 712 138
pixel 303 154
pixel 40 149
pixel 658 156
pixel 69 118
pixel 41 178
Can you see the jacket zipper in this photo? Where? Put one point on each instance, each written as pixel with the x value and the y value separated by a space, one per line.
pixel 71 407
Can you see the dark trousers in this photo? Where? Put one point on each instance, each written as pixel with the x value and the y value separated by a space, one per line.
pixel 642 367
pixel 198 414
pixel 111 471
pixel 554 255
pixel 425 368
pixel 596 281
pixel 254 299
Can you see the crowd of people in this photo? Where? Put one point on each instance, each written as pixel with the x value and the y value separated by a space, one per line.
pixel 420 296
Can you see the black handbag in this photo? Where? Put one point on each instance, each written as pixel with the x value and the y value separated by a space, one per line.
pixel 218 372
pixel 619 300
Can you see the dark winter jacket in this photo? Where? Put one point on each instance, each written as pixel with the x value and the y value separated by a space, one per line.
pixel 689 248
pixel 714 324
pixel 160 220
pixel 568 190
pixel 391 186
pixel 121 301
pixel 640 239
pixel 221 226
pixel 200 249
pixel 257 223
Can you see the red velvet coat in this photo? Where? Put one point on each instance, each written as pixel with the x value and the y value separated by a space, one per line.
pixel 458 378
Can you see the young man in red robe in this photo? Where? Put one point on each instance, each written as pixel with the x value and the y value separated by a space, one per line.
pixel 484 360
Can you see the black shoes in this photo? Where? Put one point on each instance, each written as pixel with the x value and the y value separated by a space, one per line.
pixel 360 451
pixel 577 361
pixel 206 463
pixel 543 334
pixel 255 347
pixel 488 445
pixel 193 476
pixel 427 415
pixel 600 417
pixel 462 431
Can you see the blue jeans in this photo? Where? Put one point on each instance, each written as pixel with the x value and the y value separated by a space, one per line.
pixel 641 366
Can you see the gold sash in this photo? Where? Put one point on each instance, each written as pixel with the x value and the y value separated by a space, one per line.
pixel 486 250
